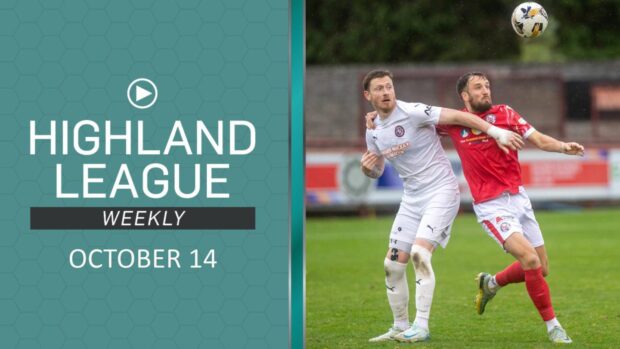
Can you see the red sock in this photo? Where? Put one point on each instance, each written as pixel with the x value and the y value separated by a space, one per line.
pixel 539 292
pixel 511 275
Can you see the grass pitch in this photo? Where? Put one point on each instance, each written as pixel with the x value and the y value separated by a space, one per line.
pixel 346 301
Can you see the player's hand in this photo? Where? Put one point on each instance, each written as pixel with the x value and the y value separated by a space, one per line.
pixel 370 120
pixel 506 139
pixel 572 148
pixel 369 161
pixel 502 147
pixel 514 140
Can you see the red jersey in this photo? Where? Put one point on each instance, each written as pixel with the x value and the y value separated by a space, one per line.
pixel 488 170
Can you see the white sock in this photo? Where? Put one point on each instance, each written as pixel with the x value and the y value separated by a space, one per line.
pixel 493 285
pixel 402 324
pixel 421 320
pixel 425 284
pixel 397 291
pixel 552 323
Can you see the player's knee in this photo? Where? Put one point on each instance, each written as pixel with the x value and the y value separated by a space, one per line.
pixel 393 269
pixel 421 258
pixel 530 261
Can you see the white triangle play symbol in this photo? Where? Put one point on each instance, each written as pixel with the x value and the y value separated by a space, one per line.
pixel 141 93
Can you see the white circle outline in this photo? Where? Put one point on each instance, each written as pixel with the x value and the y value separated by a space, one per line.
pixel 129 93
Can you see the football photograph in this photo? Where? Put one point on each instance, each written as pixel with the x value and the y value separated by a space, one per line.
pixel 462 174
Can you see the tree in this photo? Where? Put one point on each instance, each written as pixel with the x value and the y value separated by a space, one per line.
pixel 588 29
pixel 448 31
pixel 409 31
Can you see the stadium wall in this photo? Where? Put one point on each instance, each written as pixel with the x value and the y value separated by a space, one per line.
pixel 556 99
pixel 334 179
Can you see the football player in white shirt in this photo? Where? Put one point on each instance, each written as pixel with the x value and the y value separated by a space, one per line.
pixel 405 135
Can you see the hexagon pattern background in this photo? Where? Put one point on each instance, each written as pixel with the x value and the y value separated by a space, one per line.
pixel 211 60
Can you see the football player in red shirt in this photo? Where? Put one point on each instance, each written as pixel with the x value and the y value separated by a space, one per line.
pixel 500 201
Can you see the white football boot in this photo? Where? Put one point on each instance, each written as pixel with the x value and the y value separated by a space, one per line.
pixel 388 336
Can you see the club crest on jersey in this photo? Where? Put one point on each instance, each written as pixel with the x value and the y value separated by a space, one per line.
pixel 464 133
pixel 399 131
pixel 490 118
pixel 475 132
pixel 504 227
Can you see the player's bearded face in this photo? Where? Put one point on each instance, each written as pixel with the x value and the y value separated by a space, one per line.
pixel 479 94
pixel 381 94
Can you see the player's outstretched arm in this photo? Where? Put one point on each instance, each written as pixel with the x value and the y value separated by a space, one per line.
pixel 504 137
pixel 548 143
pixel 372 164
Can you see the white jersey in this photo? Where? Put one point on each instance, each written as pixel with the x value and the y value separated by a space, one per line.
pixel 408 140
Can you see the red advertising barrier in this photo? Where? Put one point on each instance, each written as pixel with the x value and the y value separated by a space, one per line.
pixel 544 174
pixel 322 177
pixel 334 179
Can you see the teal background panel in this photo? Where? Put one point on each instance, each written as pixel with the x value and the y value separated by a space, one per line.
pixel 211 60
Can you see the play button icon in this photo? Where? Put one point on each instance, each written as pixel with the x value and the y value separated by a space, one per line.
pixel 142 93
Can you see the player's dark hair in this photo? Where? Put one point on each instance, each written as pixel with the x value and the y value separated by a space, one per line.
pixel 461 83
pixel 378 73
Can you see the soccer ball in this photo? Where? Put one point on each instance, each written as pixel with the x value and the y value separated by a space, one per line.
pixel 529 20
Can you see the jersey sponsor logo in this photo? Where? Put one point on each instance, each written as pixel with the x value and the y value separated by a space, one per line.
pixel 396 150
pixel 504 227
pixel 399 131
pixel 491 118
pixel 476 140
pixel 477 136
